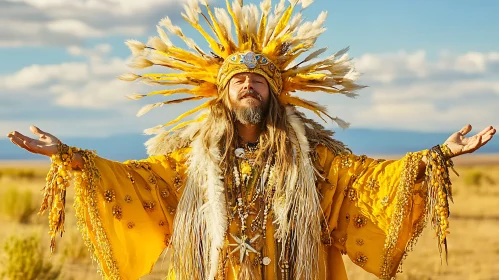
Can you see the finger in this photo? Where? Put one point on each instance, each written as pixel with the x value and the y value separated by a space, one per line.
pixel 467 128
pixel 21 143
pixel 42 134
pixel 22 137
pixel 38 132
pixel 485 130
pixel 486 138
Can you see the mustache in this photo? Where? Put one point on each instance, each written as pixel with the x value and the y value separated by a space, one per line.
pixel 249 93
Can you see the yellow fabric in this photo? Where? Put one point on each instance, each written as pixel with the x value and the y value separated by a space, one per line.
pixel 358 196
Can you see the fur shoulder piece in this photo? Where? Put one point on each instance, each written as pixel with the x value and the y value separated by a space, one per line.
pixel 318 135
pixel 165 143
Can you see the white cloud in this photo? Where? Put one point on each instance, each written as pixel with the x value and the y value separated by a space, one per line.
pixel 89 84
pixel 67 22
pixel 393 67
pixel 73 27
pixel 38 75
pixel 416 91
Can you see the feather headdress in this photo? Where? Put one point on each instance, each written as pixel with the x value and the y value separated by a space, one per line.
pixel 242 39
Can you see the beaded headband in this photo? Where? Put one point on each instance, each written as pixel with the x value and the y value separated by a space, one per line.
pixel 250 62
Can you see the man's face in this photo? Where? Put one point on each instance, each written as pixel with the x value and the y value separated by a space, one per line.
pixel 249 97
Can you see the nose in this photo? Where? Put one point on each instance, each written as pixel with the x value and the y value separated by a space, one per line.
pixel 248 83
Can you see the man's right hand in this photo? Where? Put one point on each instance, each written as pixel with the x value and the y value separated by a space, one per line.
pixel 45 145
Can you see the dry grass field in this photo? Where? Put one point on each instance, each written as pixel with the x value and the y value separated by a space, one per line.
pixel 473 242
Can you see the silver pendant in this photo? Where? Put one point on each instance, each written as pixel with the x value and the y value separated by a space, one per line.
pixel 239 152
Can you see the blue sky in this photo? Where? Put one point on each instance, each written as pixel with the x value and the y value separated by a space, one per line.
pixel 430 65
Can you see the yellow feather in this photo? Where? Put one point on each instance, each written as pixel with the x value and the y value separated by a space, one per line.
pixel 186 123
pixel 149 107
pixel 190 112
pixel 213 44
pixel 309 105
pixel 235 19
pixel 283 21
pixel 219 32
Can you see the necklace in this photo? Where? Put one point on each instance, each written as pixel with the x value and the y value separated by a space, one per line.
pixel 251 191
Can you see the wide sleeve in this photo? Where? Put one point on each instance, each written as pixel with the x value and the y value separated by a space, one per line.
pixel 374 209
pixel 125 211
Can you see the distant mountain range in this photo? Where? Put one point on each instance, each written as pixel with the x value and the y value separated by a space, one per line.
pixel 361 141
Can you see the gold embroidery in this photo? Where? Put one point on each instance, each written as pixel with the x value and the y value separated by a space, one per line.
pixel 164 193
pixel 359 242
pixel 362 159
pixel 134 164
pixel 177 183
pixel 131 178
pixel 167 239
pixel 152 180
pixel 128 199
pixel 109 196
pixel 384 200
pixel 343 239
pixel 352 194
pixel 359 221
pixel 131 225
pixel 86 210
pixel 327 239
pixel 404 192
pixel 161 223
pixel 360 259
pixel 346 162
pixel 117 212
pixel 149 206
pixel 373 184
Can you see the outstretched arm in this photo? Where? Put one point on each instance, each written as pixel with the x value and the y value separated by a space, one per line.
pixel 118 205
pixel 376 209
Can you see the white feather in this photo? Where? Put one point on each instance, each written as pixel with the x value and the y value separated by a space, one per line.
pixel 164 36
pixel 265 6
pixel 192 10
pixel 225 22
pixel 167 23
pixel 148 108
pixel 343 124
pixel 136 96
pixel 154 130
pixel 306 3
pixel 157 44
pixel 129 77
pixel 135 47
pixel 352 75
pixel 140 63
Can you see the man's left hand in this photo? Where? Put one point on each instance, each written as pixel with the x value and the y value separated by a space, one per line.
pixel 459 144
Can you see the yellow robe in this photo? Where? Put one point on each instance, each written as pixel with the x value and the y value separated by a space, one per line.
pixel 373 211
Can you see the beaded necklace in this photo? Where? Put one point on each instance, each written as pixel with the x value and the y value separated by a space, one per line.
pixel 250 194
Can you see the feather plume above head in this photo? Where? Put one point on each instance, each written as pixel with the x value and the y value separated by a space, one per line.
pixel 280 36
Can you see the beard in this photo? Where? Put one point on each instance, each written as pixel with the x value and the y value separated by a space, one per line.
pixel 252 115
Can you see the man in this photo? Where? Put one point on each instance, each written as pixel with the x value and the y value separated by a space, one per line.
pixel 251 189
